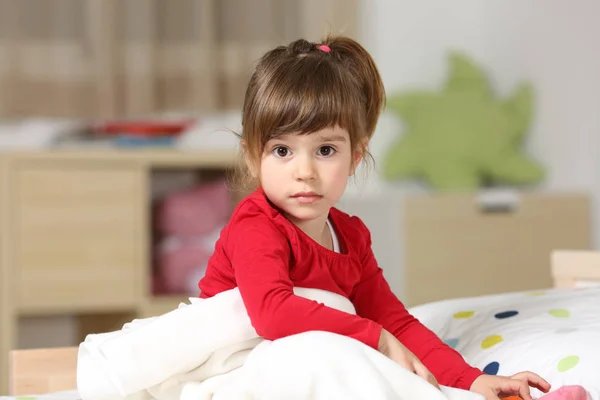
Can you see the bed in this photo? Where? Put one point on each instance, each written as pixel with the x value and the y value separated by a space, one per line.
pixel 555 332
pixel 50 372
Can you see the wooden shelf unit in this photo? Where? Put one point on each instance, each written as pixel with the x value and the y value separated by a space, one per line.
pixel 75 236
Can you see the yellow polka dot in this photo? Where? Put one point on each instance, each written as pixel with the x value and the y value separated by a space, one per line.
pixel 559 313
pixel 567 363
pixel 464 314
pixel 491 341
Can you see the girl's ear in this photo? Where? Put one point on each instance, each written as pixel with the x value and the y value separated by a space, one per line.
pixel 357 156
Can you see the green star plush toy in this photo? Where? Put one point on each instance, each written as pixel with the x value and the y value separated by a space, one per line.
pixel 462 137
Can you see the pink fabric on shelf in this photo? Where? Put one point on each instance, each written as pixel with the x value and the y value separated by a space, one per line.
pixel 194 212
pixel 188 223
pixel 180 261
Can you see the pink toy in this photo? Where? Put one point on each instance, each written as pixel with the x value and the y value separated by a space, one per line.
pixel 572 392
pixel 194 212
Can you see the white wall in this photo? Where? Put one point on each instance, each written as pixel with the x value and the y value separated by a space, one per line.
pixel 553 43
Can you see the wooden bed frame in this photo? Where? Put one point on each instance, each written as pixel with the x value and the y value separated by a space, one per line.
pixel 41 371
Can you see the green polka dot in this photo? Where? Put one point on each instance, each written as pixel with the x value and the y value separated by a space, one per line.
pixel 464 314
pixel 491 341
pixel 567 363
pixel 559 313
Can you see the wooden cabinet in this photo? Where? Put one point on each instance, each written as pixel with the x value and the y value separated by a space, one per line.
pixel 75 232
pixel 459 245
pixel 75 235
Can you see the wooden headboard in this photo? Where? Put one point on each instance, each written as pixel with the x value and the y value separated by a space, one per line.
pixel 575 268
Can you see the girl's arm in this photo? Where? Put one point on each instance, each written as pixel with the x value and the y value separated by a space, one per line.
pixel 260 256
pixel 374 299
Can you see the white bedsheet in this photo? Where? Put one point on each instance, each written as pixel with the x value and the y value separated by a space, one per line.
pixel 555 333
pixel 209 350
pixel 62 395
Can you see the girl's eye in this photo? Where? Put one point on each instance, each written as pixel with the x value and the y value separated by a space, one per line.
pixel 281 151
pixel 326 151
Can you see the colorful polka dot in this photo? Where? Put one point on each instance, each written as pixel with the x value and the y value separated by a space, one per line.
pixel 559 313
pixel 453 342
pixel 464 314
pixel 491 341
pixel 567 363
pixel 506 314
pixel 492 368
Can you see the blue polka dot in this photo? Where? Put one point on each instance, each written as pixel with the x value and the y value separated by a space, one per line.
pixel 451 342
pixel 492 368
pixel 506 314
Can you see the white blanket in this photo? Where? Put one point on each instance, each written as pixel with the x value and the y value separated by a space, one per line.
pixel 208 350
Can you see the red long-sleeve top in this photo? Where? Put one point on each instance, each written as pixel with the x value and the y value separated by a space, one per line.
pixel 265 256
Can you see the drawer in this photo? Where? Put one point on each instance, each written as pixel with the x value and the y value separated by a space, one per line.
pixel 455 247
pixel 75 230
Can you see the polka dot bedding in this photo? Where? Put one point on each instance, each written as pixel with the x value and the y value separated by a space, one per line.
pixel 555 333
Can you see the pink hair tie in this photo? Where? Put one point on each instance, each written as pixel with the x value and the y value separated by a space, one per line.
pixel 324 48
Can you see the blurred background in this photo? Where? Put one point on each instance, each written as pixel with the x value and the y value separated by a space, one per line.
pixel 115 141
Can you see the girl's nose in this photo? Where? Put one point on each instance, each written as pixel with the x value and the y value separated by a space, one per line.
pixel 305 169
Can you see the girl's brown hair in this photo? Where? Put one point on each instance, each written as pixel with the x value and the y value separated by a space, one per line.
pixel 303 88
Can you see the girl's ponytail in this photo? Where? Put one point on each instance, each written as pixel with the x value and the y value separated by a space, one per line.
pixel 361 66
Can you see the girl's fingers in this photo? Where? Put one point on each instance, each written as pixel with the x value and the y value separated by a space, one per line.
pixel 514 386
pixel 533 380
pixel 424 373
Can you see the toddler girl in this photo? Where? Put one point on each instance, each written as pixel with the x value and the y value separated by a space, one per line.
pixel 308 115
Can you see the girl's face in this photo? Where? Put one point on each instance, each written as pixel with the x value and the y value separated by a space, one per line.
pixel 306 175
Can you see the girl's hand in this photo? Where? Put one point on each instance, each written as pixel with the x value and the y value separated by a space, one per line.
pixel 393 349
pixel 495 387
